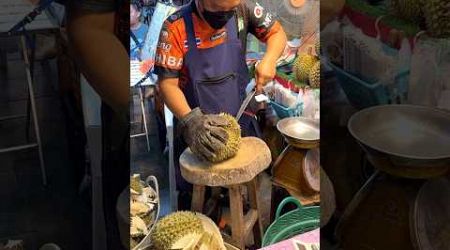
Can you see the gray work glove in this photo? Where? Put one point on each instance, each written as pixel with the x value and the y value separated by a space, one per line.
pixel 204 134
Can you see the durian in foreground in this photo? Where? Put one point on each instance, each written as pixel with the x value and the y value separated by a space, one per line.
pixel 186 230
pixel 303 65
pixel 409 10
pixel 233 130
pixel 437 16
pixel 314 75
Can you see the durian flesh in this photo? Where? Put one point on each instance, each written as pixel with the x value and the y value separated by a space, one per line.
pixel 234 140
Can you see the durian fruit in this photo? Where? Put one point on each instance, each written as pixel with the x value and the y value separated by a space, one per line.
pixel 234 140
pixel 314 76
pixel 138 227
pixel 133 243
pixel 317 47
pixel 437 17
pixel 176 231
pixel 409 10
pixel 139 208
pixel 135 184
pixel 303 65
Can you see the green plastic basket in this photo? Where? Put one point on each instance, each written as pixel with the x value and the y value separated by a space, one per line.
pixel 292 223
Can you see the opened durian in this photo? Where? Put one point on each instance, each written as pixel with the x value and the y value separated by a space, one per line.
pixel 303 65
pixel 176 231
pixel 138 227
pixel 234 140
pixel 186 230
pixel 437 16
pixel 409 10
pixel 139 208
pixel 135 184
pixel 314 76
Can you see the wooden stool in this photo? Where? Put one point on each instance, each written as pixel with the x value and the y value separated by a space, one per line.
pixel 252 158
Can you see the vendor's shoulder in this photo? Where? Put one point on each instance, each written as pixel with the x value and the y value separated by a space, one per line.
pixel 175 17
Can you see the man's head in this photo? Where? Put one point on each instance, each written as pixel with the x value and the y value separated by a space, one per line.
pixel 135 12
pixel 220 5
pixel 218 12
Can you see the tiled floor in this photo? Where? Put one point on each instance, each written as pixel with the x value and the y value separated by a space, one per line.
pixel 28 210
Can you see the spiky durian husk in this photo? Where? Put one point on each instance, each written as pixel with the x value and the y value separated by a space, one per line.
pixel 314 76
pixel 437 16
pixel 409 10
pixel 174 227
pixel 317 47
pixel 135 183
pixel 303 65
pixel 234 140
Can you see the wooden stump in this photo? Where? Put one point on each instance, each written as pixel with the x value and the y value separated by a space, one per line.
pixel 252 158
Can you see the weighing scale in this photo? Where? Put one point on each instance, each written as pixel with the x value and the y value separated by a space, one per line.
pixel 405 204
pixel 297 169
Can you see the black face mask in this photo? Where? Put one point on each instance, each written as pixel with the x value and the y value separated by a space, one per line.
pixel 217 19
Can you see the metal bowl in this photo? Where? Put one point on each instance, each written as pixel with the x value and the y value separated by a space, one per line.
pixel 404 140
pixel 300 132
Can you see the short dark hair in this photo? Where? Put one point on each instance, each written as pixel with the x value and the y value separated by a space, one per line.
pixel 137 4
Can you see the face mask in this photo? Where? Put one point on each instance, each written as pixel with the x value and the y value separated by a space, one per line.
pixel 217 19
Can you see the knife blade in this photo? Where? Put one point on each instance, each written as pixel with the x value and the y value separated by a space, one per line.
pixel 244 104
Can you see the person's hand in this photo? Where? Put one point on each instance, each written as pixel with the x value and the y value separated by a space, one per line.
pixel 265 72
pixel 204 134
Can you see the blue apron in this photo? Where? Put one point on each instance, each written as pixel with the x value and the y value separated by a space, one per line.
pixel 217 78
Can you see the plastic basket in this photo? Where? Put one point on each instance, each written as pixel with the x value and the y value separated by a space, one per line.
pixel 283 112
pixel 362 94
pixel 292 223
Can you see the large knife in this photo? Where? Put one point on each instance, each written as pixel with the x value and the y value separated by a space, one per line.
pixel 244 104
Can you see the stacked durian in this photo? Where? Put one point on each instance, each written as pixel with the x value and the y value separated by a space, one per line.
pixel 307 68
pixel 437 17
pixel 433 14
pixel 142 206
pixel 186 230
pixel 409 10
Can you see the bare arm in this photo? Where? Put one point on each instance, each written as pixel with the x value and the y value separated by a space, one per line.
pixel 266 69
pixel 104 60
pixel 173 97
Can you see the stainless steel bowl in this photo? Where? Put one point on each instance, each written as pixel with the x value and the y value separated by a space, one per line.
pixel 300 132
pixel 404 140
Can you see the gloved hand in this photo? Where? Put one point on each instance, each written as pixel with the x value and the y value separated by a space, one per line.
pixel 204 134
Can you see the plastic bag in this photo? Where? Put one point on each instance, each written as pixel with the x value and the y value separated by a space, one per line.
pixel 430 74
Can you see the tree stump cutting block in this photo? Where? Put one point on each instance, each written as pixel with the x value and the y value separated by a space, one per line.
pixel 252 158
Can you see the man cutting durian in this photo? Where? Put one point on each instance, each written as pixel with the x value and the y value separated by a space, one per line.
pixel 202 69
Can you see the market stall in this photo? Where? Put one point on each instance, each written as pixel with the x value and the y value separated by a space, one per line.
pixel 386 91
pixel 253 194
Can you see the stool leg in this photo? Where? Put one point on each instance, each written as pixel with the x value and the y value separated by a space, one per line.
pixel 237 216
pixel 198 198
pixel 253 194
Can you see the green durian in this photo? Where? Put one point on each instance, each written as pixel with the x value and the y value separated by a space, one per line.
pixel 234 140
pixel 410 10
pixel 437 17
pixel 314 76
pixel 175 228
pixel 317 47
pixel 303 65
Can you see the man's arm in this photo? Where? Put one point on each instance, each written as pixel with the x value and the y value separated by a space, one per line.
pixel 174 97
pixel 266 69
pixel 103 58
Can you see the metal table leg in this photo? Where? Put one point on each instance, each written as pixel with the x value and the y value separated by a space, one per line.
pixel 33 107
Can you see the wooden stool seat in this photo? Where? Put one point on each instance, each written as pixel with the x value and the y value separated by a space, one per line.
pixel 252 158
pixel 242 170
